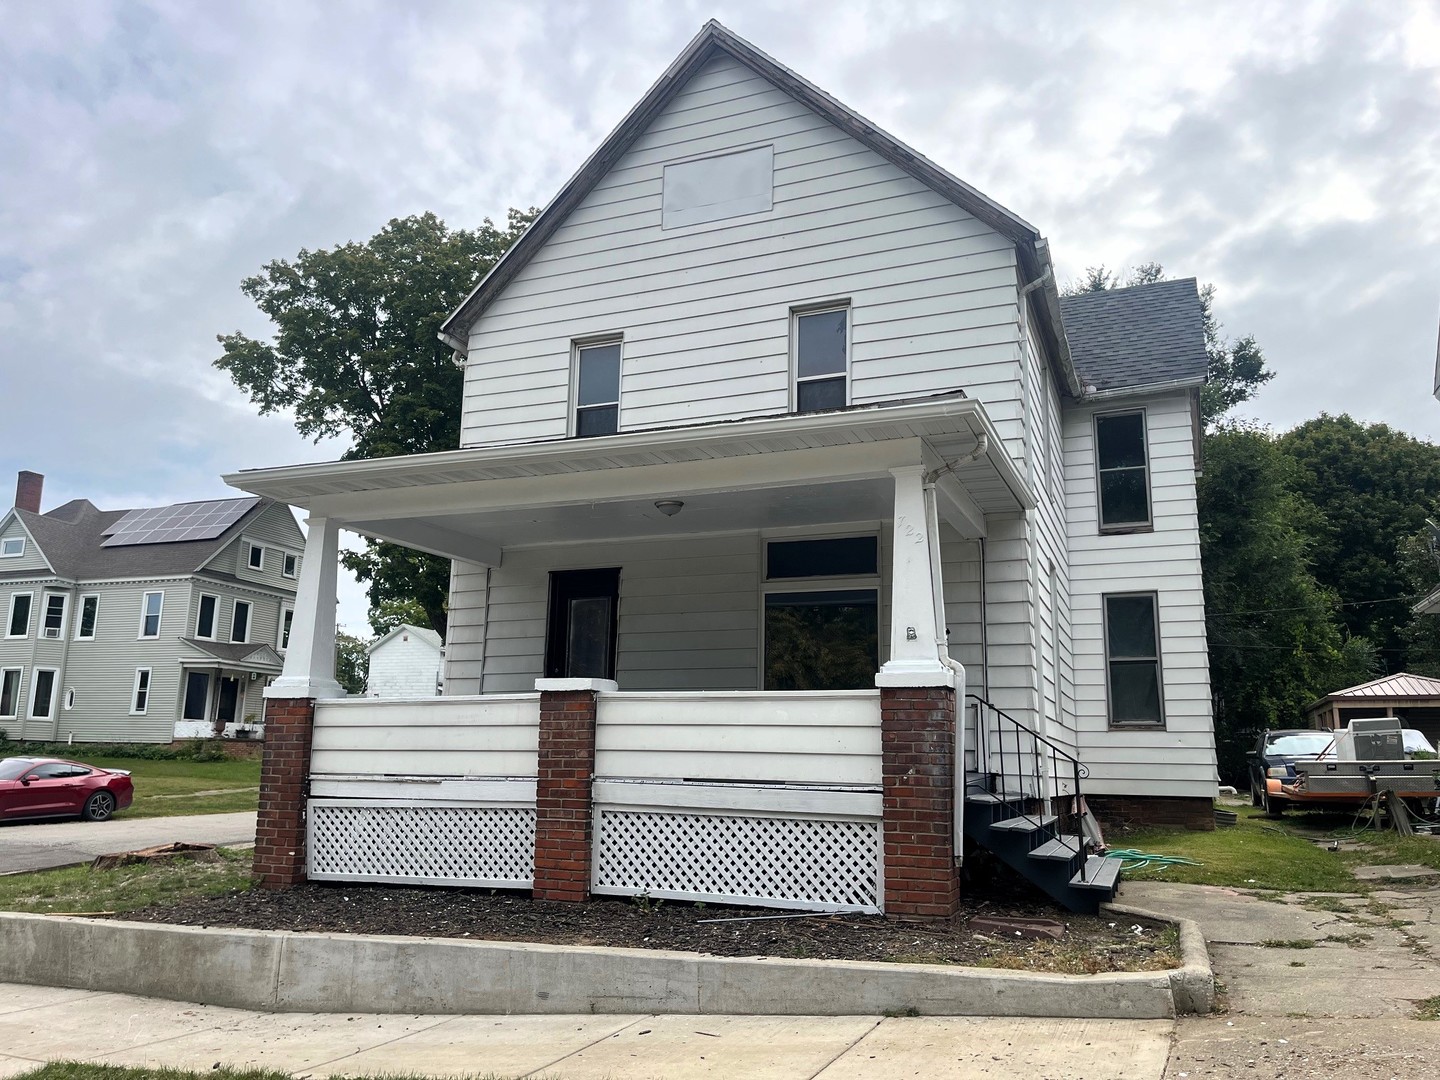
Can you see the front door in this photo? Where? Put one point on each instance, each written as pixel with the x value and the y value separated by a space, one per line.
pixel 225 707
pixel 581 629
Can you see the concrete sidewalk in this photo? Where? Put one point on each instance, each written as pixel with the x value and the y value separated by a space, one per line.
pixel 43 844
pixel 41 1023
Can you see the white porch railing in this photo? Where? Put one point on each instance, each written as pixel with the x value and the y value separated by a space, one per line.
pixel 749 798
pixel 437 791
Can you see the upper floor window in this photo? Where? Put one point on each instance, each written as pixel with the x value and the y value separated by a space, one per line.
pixel 52 624
pixel 12 547
pixel 1132 659
pixel 597 389
pixel 150 608
pixel 89 617
pixel 256 557
pixel 205 616
pixel 18 625
pixel 288 565
pixel 240 622
pixel 822 359
pixel 1123 469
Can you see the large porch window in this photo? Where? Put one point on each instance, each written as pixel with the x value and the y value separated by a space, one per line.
pixel 826 637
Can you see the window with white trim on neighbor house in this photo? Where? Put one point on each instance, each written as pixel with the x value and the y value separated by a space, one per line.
pixel 1132 659
pixel 597 388
pixel 1122 465
pixel 822 358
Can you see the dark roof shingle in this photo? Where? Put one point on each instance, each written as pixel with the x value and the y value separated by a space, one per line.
pixel 1137 337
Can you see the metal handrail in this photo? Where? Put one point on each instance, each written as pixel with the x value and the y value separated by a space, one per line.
pixel 1056 754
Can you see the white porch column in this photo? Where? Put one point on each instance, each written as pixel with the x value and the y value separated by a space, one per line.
pixel 310 658
pixel 914 591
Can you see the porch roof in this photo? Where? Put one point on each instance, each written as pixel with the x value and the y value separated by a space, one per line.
pixel 469 503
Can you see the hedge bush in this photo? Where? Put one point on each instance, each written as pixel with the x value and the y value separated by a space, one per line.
pixel 196 750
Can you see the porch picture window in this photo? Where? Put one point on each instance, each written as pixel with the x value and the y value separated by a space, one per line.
pixel 240 622
pixel 18 624
pixel 1132 659
pixel 823 640
pixel 12 547
pixel 821 359
pixel 10 692
pixel 597 389
pixel 140 699
pixel 197 696
pixel 53 623
pixel 42 694
pixel 1123 468
pixel 150 608
pixel 89 617
pixel 205 617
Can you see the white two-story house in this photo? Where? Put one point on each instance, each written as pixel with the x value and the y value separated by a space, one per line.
pixel 142 625
pixel 780 442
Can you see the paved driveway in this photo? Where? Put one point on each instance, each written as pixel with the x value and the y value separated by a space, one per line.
pixel 39 845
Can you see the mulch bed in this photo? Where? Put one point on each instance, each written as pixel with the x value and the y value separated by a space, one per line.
pixel 1089 944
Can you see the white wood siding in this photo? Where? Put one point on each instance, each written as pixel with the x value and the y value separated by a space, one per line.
pixel 1179 759
pixel 31 559
pixel 405 666
pixel 705 309
pixel 456 737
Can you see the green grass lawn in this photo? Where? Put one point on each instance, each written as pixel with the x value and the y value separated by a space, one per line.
pixel 77 889
pixel 169 788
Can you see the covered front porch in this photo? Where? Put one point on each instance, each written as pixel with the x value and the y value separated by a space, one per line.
pixel 709 663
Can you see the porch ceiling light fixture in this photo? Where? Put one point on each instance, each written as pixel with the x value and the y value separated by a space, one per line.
pixel 669 507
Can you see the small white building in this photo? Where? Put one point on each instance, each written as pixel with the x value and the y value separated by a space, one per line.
pixel 405 663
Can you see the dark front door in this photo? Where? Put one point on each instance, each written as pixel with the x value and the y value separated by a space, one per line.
pixel 580 631
pixel 229 696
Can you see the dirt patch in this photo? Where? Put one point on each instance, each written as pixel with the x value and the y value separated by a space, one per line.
pixel 1089 945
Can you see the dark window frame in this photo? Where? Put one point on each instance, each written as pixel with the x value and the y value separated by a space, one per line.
pixel 1159 723
pixel 1120 527
pixel 566 585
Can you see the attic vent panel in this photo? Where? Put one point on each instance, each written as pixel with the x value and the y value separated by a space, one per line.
pixel 715 188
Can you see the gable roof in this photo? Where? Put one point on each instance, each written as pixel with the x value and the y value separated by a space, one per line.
pixel 71 537
pixel 426 635
pixel 253 654
pixel 1401 684
pixel 1137 338
pixel 713 40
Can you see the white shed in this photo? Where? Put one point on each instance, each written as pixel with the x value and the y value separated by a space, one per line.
pixel 405 663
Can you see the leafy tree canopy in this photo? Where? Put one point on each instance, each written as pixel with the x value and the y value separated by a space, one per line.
pixel 355 354
pixel 352 662
pixel 388 614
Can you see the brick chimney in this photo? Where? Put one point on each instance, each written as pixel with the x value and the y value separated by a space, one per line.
pixel 28 486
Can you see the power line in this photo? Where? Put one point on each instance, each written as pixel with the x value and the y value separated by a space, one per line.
pixel 1342 603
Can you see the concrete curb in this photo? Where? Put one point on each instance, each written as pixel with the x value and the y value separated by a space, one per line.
pixel 284 971
pixel 1193 982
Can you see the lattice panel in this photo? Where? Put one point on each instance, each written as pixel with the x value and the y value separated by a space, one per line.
pixel 432 845
pixel 771 861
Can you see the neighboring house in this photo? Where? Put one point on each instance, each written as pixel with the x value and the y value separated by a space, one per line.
pixel 1415 699
pixel 405 663
pixel 141 625
pixel 777 438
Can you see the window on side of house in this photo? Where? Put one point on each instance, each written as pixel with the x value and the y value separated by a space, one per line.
pixel 18 624
pixel 597 389
pixel 826 636
pixel 240 622
pixel 89 618
pixel 12 547
pixel 42 693
pixel 206 616
pixel 256 558
pixel 287 619
pixel 822 358
pixel 140 699
pixel 52 623
pixel 289 565
pixel 151 606
pixel 1123 470
pixel 10 679
pixel 1132 659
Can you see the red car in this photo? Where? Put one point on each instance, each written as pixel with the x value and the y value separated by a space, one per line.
pixel 51 787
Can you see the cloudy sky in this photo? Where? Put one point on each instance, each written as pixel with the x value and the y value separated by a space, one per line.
pixel 152 154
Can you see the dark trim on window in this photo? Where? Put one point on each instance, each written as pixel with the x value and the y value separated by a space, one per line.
pixel 1135 525
pixel 1133 661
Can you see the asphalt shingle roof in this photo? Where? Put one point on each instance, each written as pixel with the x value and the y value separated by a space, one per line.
pixel 1137 337
pixel 70 537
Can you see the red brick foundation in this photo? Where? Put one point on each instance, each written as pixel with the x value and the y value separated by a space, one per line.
pixel 917 740
pixel 1118 813
pixel 562 795
pixel 284 771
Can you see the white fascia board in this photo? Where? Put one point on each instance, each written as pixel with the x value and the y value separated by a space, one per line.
pixel 1144 390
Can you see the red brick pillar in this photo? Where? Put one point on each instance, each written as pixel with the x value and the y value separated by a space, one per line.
pixel 562 794
pixel 917 740
pixel 284 771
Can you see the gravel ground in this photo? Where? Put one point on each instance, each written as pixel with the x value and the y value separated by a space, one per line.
pixel 1089 944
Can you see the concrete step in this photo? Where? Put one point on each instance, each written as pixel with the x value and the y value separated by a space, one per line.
pixel 1061 848
pixel 1101 872
pixel 1025 823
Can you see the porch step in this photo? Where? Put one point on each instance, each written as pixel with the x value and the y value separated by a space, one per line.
pixel 993 798
pixel 1102 872
pixel 1063 848
pixel 1025 824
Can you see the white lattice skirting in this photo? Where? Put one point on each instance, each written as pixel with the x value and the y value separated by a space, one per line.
pixel 807 863
pixel 350 840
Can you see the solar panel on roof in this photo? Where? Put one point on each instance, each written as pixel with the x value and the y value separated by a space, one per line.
pixel 178 522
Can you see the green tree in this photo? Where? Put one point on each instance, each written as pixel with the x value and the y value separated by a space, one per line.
pixel 388 614
pixel 352 662
pixel 1417 560
pixel 355 354
pixel 1368 487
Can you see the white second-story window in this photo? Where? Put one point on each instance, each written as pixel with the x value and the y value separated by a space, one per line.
pixel 1123 469
pixel 256 557
pixel 89 618
pixel 18 624
pixel 822 359
pixel 52 624
pixel 205 617
pixel 288 565
pixel 12 547
pixel 597 389
pixel 150 608
pixel 240 622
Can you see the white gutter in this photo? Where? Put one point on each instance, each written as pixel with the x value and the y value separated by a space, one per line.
pixel 1141 391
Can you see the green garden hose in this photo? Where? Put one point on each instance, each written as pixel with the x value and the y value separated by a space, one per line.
pixel 1134 859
